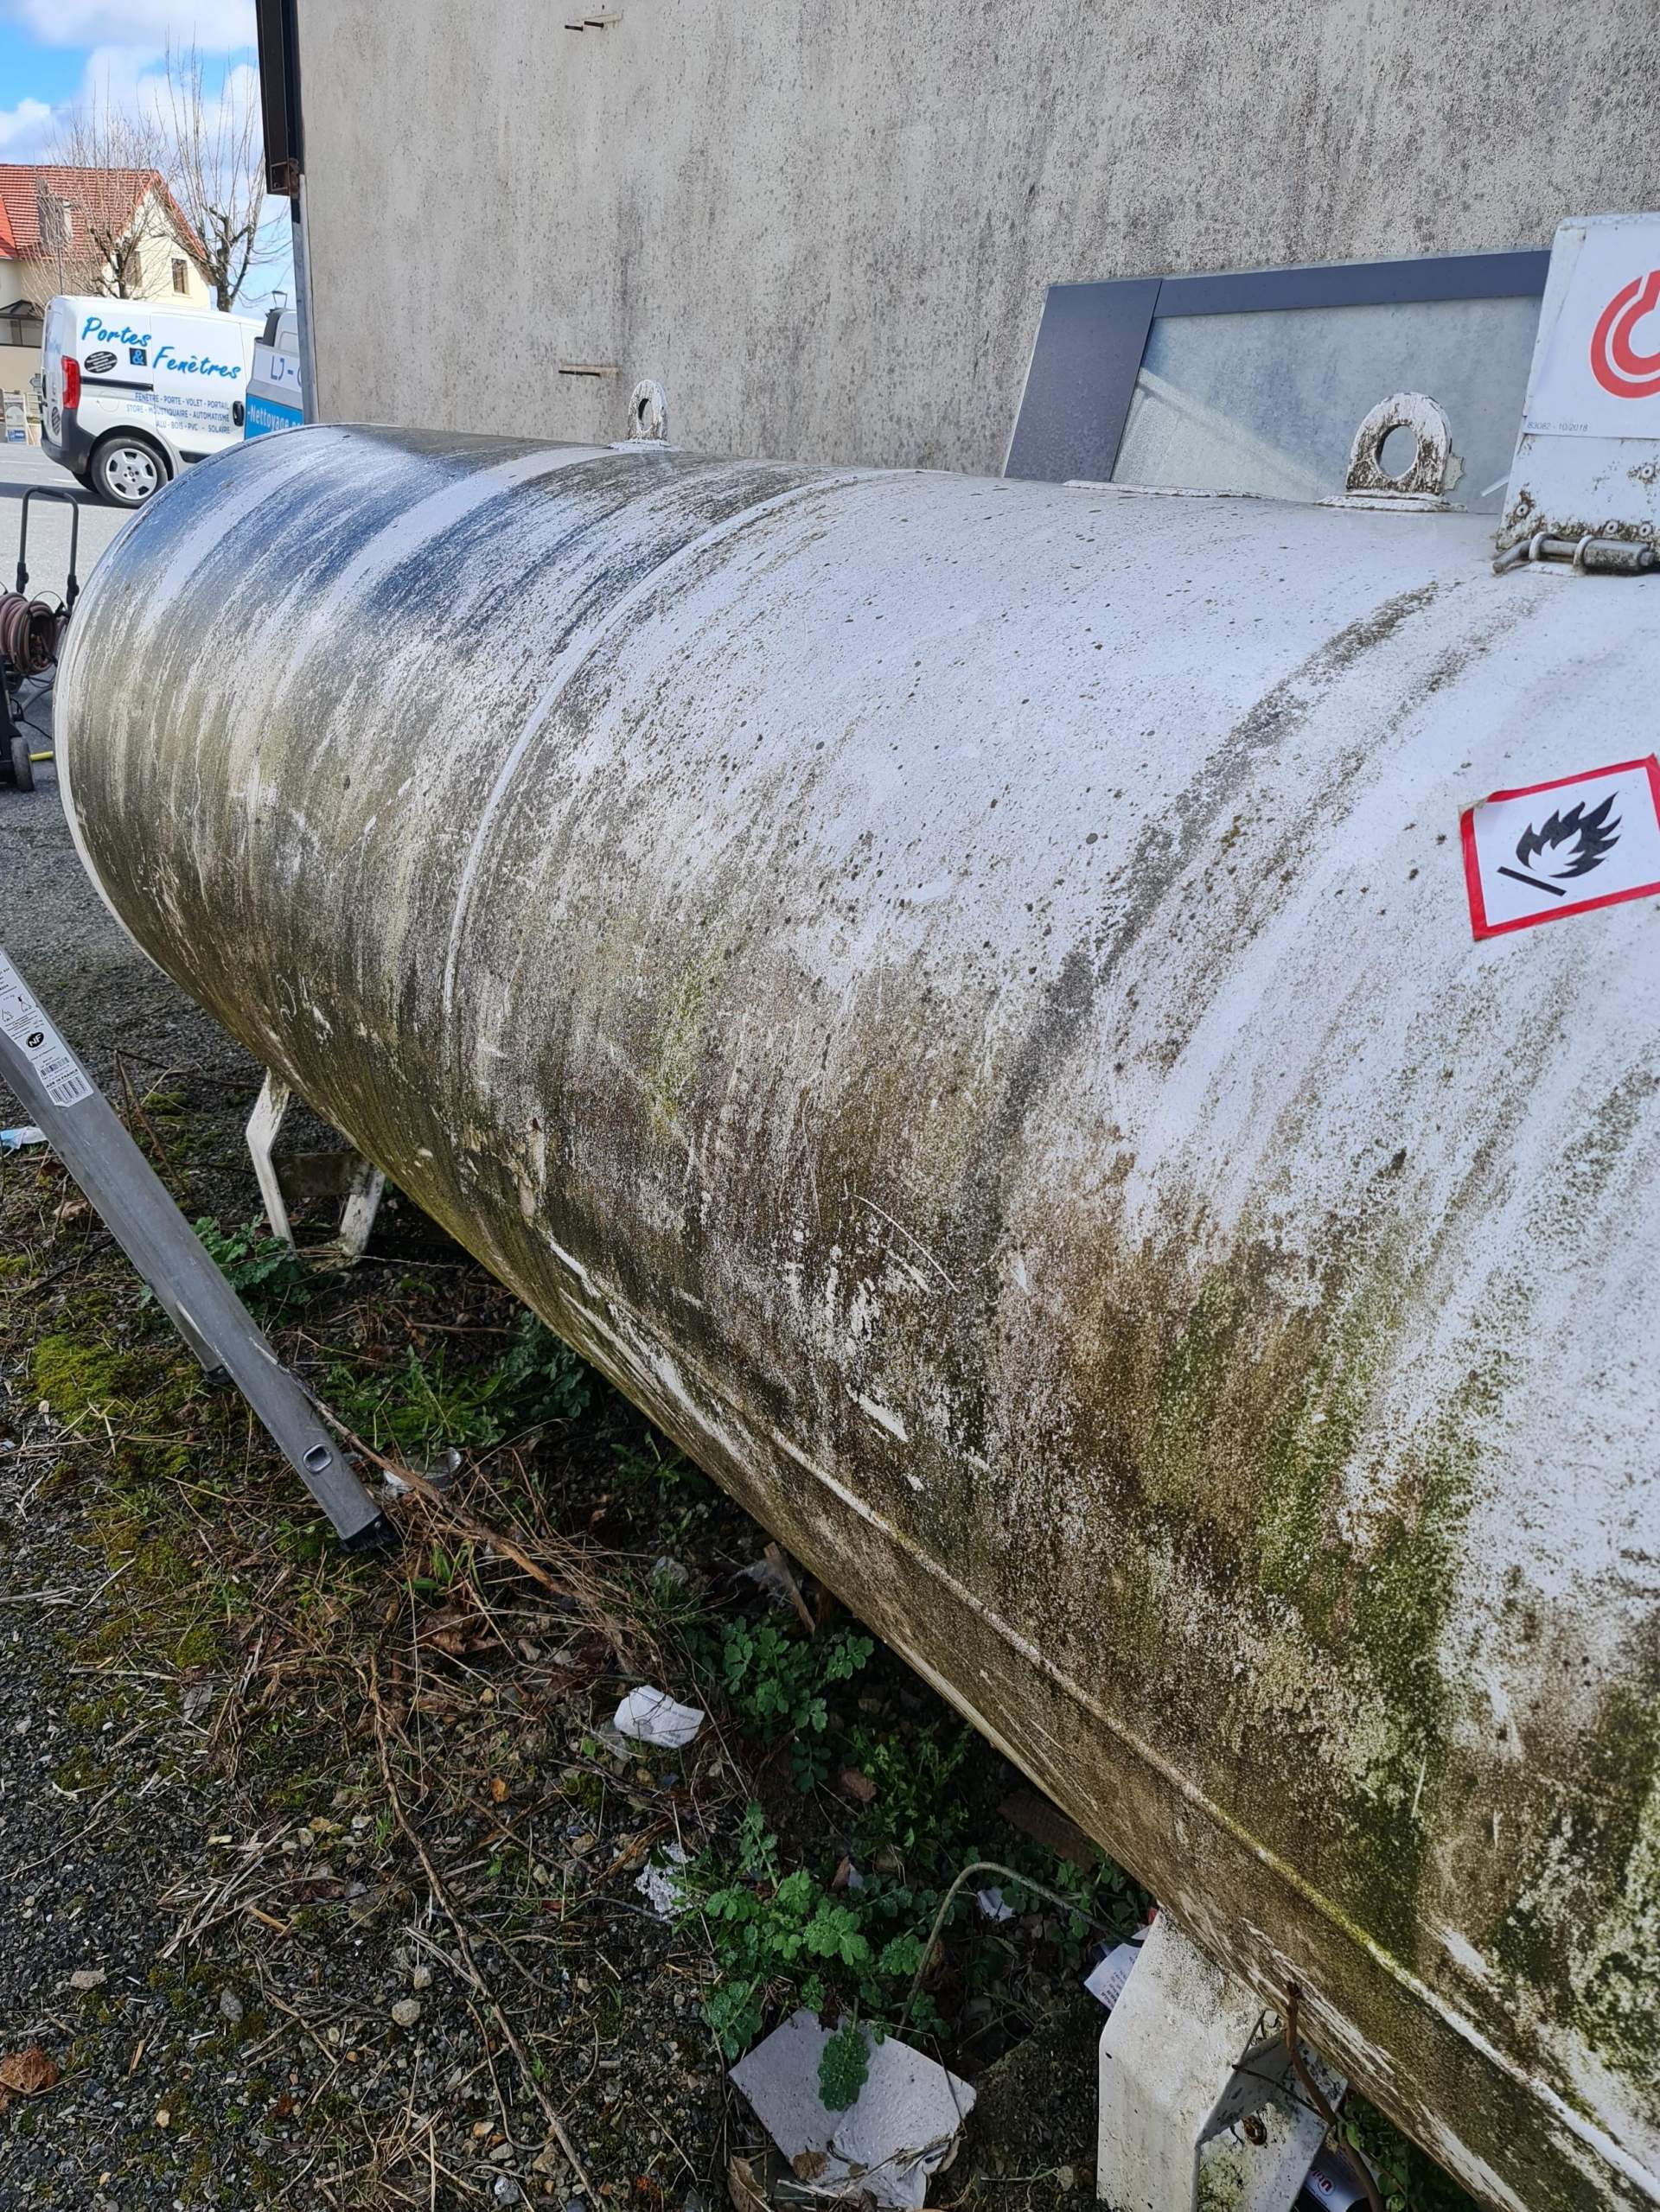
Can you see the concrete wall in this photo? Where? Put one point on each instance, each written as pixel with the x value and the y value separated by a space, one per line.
pixel 827 228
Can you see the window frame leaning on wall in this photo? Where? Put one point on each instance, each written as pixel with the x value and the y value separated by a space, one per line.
pixel 1092 338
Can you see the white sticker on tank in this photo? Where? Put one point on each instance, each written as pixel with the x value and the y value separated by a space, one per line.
pixel 55 1066
pixel 1549 850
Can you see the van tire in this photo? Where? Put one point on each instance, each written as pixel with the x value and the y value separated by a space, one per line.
pixel 127 469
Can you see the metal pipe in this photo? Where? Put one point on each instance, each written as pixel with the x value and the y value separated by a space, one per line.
pixel 301 238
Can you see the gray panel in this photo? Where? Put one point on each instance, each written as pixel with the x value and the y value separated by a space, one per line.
pixel 1090 347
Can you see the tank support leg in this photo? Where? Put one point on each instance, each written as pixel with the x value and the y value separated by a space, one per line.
pixel 269 1109
pixel 362 1195
pixel 1188 2055
pixel 357 1215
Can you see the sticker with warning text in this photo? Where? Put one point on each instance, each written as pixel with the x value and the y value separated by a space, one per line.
pixel 55 1067
pixel 1550 850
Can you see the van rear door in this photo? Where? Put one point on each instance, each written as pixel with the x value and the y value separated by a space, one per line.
pixel 52 337
pixel 200 365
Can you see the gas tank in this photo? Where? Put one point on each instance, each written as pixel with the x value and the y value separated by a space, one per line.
pixel 961 998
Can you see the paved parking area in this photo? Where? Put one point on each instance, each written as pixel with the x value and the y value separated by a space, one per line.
pixel 22 466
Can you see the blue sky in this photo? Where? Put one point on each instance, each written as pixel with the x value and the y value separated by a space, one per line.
pixel 53 53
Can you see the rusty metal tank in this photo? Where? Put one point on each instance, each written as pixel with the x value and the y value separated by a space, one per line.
pixel 960 997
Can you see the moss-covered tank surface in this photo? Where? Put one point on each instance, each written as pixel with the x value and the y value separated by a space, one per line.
pixel 959 997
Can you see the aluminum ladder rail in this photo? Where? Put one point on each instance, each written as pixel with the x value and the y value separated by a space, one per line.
pixel 87 1136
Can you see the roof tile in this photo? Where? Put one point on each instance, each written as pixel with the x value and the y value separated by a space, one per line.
pixel 101 196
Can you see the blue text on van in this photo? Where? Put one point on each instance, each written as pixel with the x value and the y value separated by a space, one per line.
pixel 188 364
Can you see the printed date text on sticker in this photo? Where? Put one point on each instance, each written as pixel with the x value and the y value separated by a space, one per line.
pixel 1564 847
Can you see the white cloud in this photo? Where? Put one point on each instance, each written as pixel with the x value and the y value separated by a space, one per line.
pixel 216 26
pixel 114 75
pixel 26 130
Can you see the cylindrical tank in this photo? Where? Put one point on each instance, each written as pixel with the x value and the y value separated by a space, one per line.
pixel 960 997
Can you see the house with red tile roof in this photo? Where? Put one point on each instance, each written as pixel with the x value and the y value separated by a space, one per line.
pixel 114 231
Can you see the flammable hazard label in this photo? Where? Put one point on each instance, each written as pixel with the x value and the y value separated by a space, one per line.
pixel 1554 849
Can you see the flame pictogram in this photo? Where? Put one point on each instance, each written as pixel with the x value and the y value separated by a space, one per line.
pixel 1615 363
pixel 1593 836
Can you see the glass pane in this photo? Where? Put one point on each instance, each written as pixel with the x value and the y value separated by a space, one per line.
pixel 1270 402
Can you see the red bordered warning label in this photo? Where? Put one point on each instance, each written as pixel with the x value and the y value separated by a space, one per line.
pixel 1551 850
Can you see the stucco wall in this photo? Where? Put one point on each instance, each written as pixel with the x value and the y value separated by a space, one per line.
pixel 827 228
pixel 158 249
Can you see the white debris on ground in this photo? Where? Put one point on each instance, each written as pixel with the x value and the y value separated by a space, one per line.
pixel 1106 1979
pixel 662 1887
pixel 994 1904
pixel 651 1716
pixel 903 2127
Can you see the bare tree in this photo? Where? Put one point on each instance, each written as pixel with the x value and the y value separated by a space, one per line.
pixel 213 159
pixel 98 232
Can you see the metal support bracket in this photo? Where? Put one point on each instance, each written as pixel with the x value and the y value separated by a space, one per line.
pixel 89 1137
pixel 274 1099
pixel 363 1193
pixel 1194 2102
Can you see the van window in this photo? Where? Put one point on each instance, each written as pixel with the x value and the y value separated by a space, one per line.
pixel 1257 381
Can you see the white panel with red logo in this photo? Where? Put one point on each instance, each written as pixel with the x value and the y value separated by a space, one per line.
pixel 1600 374
pixel 1587 461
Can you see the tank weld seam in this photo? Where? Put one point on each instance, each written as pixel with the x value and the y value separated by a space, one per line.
pixel 569 663
pixel 1602 2145
pixel 224 515
pixel 410 530
pixel 277 464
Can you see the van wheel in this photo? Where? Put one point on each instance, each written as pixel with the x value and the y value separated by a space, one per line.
pixel 127 470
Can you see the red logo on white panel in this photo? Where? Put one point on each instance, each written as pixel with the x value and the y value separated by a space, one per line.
pixel 1550 850
pixel 1615 362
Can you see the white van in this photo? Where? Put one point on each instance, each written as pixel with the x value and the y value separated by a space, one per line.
pixel 132 391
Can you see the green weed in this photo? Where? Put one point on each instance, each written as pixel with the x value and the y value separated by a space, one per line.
pixel 914 1811
pixel 268 1275
pixel 1407 2180
pixel 772 1933
pixel 776 1683
pixel 844 2068
pixel 657 1467
pixel 541 1378
pixel 418 1406
pixel 422 1404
